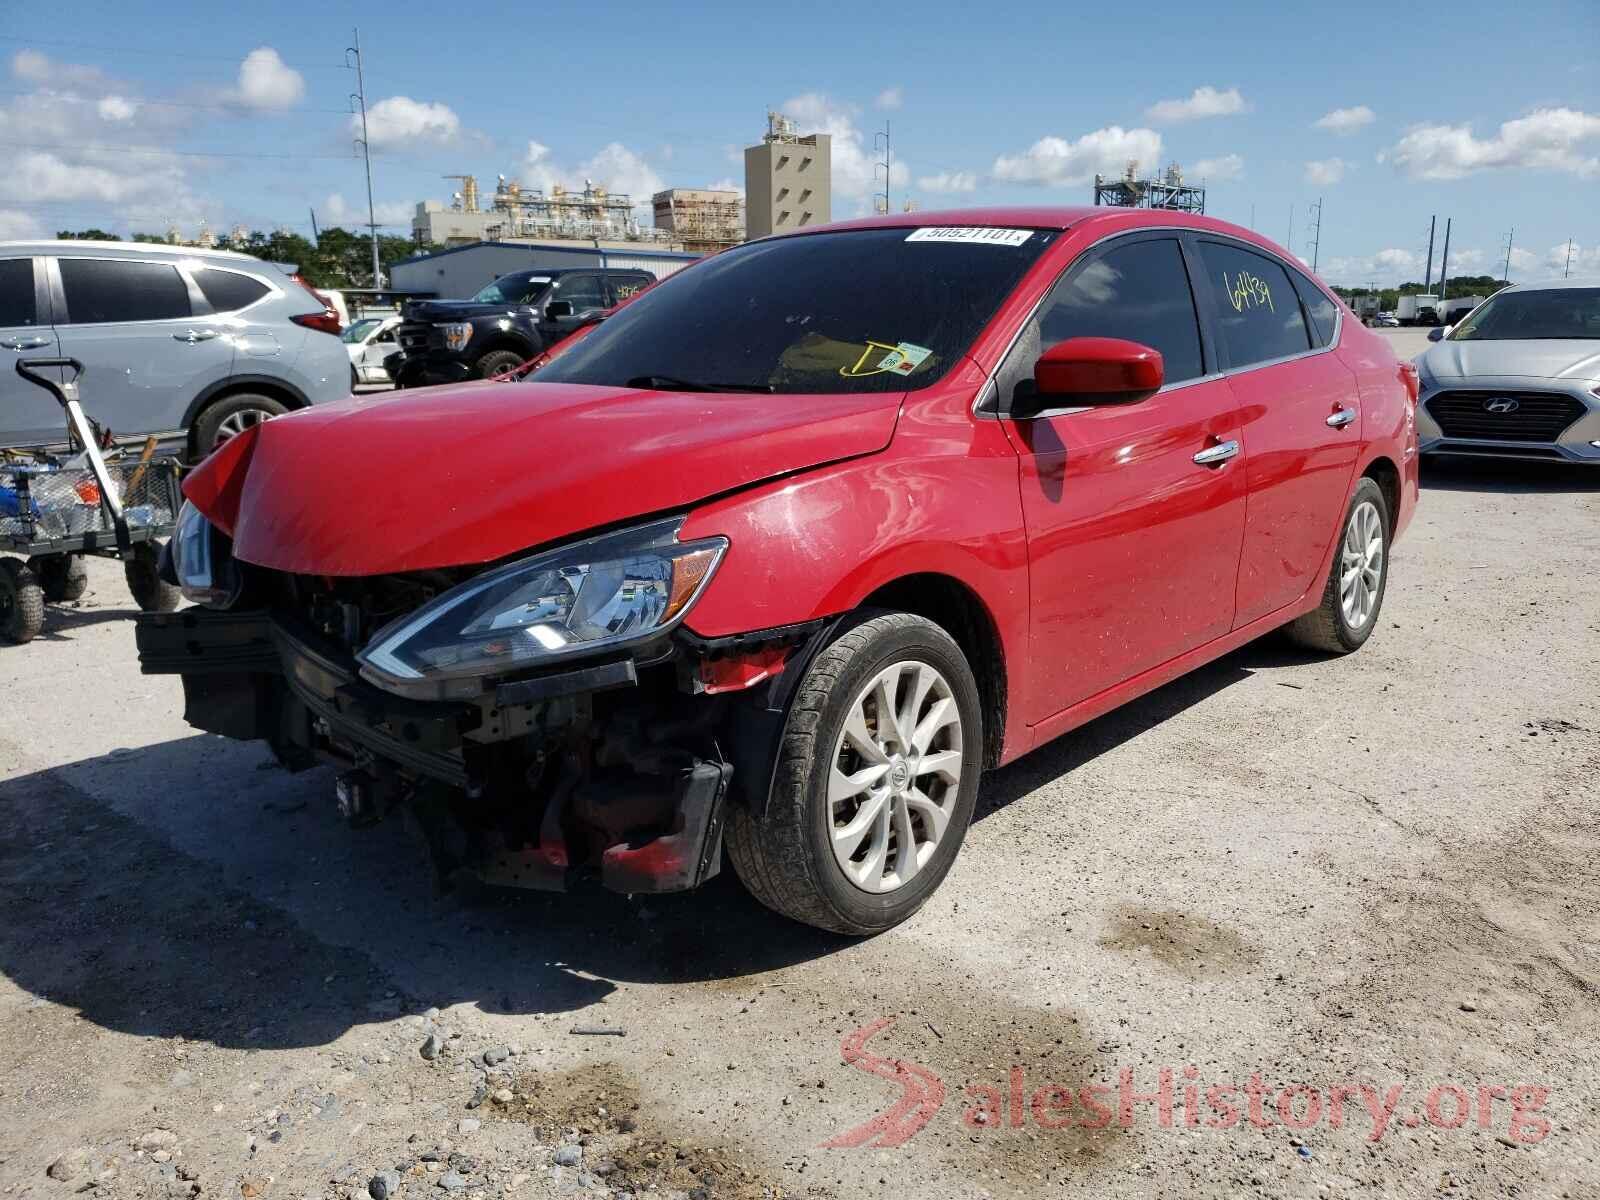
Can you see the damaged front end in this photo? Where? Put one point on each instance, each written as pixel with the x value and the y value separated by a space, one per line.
pixel 539 722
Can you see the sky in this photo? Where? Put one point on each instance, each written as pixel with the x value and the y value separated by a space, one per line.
pixel 133 116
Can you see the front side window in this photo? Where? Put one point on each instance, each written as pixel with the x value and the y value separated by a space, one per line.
pixel 1257 307
pixel 522 288
pixel 1547 314
pixel 102 290
pixel 583 292
pixel 869 310
pixel 1139 292
pixel 17 307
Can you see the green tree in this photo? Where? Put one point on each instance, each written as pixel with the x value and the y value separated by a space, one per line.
pixel 86 235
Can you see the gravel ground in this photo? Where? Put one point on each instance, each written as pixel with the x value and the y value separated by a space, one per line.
pixel 1377 872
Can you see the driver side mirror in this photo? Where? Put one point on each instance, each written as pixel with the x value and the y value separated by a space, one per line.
pixel 557 310
pixel 1091 371
pixel 1439 333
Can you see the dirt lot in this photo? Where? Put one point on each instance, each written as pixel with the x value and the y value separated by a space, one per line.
pixel 1378 872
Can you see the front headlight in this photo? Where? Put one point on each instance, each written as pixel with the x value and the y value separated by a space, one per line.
pixel 457 334
pixel 609 591
pixel 202 559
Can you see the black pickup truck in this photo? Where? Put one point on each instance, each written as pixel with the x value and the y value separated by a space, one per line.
pixel 511 320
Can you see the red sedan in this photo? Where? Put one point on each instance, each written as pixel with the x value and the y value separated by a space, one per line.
pixel 786 553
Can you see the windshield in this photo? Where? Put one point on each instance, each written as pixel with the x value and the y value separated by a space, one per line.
pixel 514 289
pixel 870 310
pixel 1552 313
pixel 359 331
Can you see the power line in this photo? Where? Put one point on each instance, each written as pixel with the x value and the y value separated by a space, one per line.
pixel 78 148
pixel 183 54
pixel 140 101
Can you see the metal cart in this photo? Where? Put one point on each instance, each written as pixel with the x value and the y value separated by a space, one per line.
pixel 54 509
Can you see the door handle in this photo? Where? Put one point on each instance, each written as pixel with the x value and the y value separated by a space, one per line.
pixel 1342 418
pixel 25 343
pixel 195 335
pixel 1215 456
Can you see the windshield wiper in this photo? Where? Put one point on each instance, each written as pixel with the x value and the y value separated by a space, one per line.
pixel 667 383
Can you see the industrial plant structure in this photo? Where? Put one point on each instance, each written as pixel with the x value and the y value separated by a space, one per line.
pixel 1166 191
pixel 516 213
pixel 788 179
pixel 702 219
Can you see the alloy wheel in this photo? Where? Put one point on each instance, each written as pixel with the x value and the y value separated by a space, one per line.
pixel 235 423
pixel 1361 565
pixel 894 776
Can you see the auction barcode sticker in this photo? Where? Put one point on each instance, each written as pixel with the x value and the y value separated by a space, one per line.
pixel 986 235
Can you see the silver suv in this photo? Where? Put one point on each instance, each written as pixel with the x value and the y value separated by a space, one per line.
pixel 191 345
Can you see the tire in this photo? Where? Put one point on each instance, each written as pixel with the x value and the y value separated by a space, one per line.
pixel 21 602
pixel 63 576
pixel 496 361
pixel 150 592
pixel 232 415
pixel 786 857
pixel 1335 626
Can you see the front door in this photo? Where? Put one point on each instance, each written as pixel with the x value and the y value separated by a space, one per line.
pixel 146 355
pixel 585 292
pixel 29 415
pixel 1133 545
pixel 1298 405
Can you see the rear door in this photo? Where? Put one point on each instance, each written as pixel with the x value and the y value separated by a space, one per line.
pixel 29 416
pixel 1133 545
pixel 149 344
pixel 1298 404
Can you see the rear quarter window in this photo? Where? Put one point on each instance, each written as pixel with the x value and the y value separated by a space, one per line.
pixel 1321 311
pixel 228 291
pixel 1258 309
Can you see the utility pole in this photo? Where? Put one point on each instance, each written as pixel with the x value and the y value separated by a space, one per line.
pixel 1289 241
pixel 1427 278
pixel 360 98
pixel 1567 270
pixel 1316 236
pixel 1444 263
pixel 887 163
pixel 1509 236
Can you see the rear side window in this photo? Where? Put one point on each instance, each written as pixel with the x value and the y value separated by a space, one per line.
pixel 229 291
pixel 624 286
pixel 1140 292
pixel 101 290
pixel 1319 309
pixel 16 293
pixel 1257 307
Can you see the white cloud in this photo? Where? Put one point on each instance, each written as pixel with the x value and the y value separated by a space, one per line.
pixel 1386 268
pixel 1053 160
pixel 1203 102
pixel 14 224
pixel 727 184
pixel 1217 170
pixel 117 108
pixel 393 213
pixel 30 66
pixel 891 98
pixel 1550 139
pixel 1346 120
pixel 267 83
pixel 949 181
pixel 1324 171
pixel 400 121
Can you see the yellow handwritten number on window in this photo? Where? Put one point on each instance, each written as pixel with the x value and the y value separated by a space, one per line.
pixel 1247 292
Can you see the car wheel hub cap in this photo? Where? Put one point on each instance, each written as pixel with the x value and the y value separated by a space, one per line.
pixel 236 423
pixel 1361 558
pixel 894 776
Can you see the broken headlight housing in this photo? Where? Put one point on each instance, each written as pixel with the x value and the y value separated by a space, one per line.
pixel 606 592
pixel 202 559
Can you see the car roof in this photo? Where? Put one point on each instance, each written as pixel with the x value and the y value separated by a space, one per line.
pixel 1554 285
pixel 70 245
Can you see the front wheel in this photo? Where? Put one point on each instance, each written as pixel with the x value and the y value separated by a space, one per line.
pixel 875 783
pixel 1354 596
pixel 497 362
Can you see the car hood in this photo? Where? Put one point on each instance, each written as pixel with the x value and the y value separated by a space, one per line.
pixel 452 476
pixel 1547 359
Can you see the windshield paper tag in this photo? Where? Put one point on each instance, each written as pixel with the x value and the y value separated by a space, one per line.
pixel 986 235
pixel 904 358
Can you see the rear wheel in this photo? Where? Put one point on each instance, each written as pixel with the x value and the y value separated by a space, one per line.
pixel 1354 596
pixel 232 415
pixel 496 361
pixel 63 576
pixel 142 571
pixel 21 602
pixel 876 780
